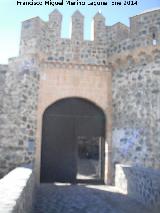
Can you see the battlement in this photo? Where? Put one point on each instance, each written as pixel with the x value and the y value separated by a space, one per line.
pixel 145 23
pixel 44 38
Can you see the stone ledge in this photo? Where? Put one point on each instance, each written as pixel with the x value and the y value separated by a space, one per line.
pixel 16 191
pixel 142 184
pixel 82 67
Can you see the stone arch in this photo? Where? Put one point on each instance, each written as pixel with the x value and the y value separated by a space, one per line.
pixel 75 81
pixel 63 122
pixel 93 101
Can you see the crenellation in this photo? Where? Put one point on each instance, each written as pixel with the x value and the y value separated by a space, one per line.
pixel 117 33
pixel 55 24
pixel 32 33
pixel 99 29
pixel 142 25
pixel 77 28
pixel 110 39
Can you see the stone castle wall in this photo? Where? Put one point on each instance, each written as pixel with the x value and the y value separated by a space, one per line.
pixel 131 54
pixel 18 117
pixel 144 31
pixel 136 117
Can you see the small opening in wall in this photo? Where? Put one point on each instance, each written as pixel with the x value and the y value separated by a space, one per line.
pixel 154 40
pixel 154 32
pixel 154 36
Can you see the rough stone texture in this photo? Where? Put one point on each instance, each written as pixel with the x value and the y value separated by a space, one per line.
pixel 18 117
pixel 84 199
pixel 130 54
pixel 108 40
pixel 17 190
pixel 141 184
pixel 3 70
pixel 136 117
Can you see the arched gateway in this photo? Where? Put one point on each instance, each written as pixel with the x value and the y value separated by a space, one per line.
pixel 73 133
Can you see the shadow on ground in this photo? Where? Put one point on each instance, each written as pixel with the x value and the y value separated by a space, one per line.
pixel 81 198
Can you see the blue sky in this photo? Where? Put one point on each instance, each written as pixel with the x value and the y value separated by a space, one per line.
pixel 12 15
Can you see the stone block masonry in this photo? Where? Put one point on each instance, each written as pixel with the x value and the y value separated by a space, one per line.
pixel 141 184
pixel 44 38
pixel 136 101
pixel 17 126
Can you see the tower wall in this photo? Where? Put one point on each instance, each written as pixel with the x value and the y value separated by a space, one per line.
pixel 136 99
pixel 18 117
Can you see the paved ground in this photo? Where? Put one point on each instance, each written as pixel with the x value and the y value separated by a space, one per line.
pixel 80 198
pixel 87 169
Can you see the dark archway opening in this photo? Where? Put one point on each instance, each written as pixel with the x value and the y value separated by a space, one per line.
pixel 73 133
